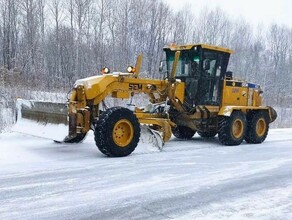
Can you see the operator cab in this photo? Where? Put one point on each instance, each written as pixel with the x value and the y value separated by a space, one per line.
pixel 202 68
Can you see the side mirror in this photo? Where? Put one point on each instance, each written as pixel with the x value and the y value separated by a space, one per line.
pixel 161 66
pixel 206 64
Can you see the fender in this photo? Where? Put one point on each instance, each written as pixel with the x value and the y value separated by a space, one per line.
pixel 227 110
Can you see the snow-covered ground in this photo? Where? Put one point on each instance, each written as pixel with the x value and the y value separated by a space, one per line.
pixel 197 179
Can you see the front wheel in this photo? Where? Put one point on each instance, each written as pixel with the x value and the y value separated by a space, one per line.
pixel 232 129
pixel 117 132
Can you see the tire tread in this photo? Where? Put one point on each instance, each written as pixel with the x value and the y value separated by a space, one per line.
pixel 102 140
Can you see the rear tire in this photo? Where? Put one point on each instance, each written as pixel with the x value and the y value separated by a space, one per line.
pixel 207 134
pixel 183 132
pixel 117 132
pixel 232 129
pixel 257 127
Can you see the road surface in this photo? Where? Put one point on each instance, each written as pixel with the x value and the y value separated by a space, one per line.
pixel 196 179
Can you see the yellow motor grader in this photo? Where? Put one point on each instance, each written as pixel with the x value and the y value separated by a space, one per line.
pixel 198 94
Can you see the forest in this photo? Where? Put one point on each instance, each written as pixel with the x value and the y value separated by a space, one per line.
pixel 47 45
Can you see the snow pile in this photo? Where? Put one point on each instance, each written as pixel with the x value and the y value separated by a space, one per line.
pixel 56 132
pixel 284 119
pixel 6 118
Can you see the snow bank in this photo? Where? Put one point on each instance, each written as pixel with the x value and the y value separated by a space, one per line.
pixel 284 119
pixel 6 118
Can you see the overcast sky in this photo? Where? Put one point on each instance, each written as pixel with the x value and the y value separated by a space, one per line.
pixel 255 11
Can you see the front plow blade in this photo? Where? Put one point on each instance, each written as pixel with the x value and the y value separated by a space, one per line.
pixel 152 137
pixel 42 119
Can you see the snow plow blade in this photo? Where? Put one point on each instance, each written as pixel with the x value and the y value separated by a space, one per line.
pixel 152 137
pixel 42 119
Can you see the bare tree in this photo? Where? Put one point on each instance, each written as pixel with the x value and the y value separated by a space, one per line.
pixel 9 32
pixel 183 26
pixel 55 42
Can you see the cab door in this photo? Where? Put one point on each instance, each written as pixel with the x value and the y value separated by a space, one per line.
pixel 213 69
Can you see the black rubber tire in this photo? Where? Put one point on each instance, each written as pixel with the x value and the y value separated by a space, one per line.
pixel 207 134
pixel 226 124
pixel 183 132
pixel 103 134
pixel 252 119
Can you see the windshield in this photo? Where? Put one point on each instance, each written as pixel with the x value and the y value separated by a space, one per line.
pixel 187 65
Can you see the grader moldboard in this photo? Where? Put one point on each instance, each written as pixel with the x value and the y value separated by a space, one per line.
pixel 197 95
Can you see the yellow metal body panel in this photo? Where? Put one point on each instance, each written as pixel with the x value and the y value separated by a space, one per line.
pixel 234 95
pixel 206 46
pixel 138 65
pixel 180 91
pixel 257 99
pixel 95 85
pixel 237 96
pixel 121 94
pixel 174 65
pixel 122 85
pixel 227 110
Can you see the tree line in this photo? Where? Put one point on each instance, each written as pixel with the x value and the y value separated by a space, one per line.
pixel 47 45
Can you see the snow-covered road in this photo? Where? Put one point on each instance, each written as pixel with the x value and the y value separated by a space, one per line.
pixel 197 179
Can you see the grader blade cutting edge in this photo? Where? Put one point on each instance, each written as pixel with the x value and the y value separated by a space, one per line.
pixel 42 119
pixel 152 137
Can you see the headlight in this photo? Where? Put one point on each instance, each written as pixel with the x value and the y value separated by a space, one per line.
pixel 105 70
pixel 131 69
